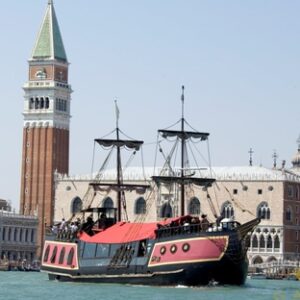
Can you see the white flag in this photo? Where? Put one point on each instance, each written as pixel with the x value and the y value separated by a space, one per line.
pixel 117 111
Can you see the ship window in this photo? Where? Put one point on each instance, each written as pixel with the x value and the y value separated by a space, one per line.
pixel 53 256
pixel 46 255
pixel 102 250
pixel 173 249
pixel 194 206
pixel 114 248
pixel 140 206
pixel 70 257
pixel 62 256
pixel 89 250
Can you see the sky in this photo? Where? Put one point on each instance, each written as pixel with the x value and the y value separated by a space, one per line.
pixel 238 60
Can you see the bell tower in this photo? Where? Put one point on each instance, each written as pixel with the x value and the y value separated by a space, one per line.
pixel 46 123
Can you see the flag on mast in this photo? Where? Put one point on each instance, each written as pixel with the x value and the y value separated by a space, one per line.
pixel 117 112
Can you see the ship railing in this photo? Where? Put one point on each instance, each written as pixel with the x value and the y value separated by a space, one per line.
pixel 65 235
pixel 168 231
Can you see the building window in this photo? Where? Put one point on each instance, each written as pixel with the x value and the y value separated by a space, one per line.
pixel 227 210
pixel 76 205
pixel 166 211
pixel 235 191
pixel 108 203
pixel 194 206
pixel 290 191
pixel 259 191
pixel 288 214
pixel 263 211
pixel 262 242
pixel 269 242
pixel 140 206
pixel 254 242
pixel 47 102
pixel 276 242
pixel 3 234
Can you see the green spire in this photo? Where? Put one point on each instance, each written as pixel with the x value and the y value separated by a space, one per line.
pixel 49 44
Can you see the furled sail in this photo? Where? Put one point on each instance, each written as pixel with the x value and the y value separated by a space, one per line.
pixel 131 144
pixel 206 182
pixel 184 135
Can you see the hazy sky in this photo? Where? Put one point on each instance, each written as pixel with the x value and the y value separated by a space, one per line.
pixel 239 61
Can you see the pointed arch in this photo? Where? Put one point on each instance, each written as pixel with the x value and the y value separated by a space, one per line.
pixel 166 211
pixel 269 242
pixel 254 242
pixel 140 206
pixel 262 242
pixel 194 206
pixel 276 242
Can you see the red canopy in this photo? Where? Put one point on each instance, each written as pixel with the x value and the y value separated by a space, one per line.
pixel 123 232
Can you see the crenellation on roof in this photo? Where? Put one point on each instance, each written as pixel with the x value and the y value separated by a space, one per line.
pixel 243 173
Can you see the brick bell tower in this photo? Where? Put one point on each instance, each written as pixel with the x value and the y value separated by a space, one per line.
pixel 46 123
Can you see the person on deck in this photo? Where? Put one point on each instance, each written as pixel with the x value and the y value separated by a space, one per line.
pixel 204 222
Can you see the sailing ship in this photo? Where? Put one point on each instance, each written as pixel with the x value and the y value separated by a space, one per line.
pixel 180 250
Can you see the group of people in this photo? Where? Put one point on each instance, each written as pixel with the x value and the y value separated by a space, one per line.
pixel 69 230
pixel 66 229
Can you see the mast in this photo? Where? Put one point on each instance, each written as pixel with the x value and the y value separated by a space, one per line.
pixel 182 155
pixel 119 186
pixel 183 178
pixel 119 166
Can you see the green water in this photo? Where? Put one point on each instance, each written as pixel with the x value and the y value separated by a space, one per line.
pixel 31 285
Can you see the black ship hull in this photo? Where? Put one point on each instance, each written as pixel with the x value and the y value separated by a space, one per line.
pixel 186 258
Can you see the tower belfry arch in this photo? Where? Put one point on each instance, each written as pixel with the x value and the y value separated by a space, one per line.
pixel 46 125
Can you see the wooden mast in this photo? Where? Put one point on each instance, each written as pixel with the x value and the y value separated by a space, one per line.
pixel 182 155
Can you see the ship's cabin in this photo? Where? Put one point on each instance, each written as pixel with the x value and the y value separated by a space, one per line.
pixel 99 218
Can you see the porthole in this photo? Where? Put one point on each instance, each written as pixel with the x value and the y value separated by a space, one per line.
pixel 186 247
pixel 173 249
pixel 163 250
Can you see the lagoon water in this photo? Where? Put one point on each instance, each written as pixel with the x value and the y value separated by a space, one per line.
pixel 32 285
